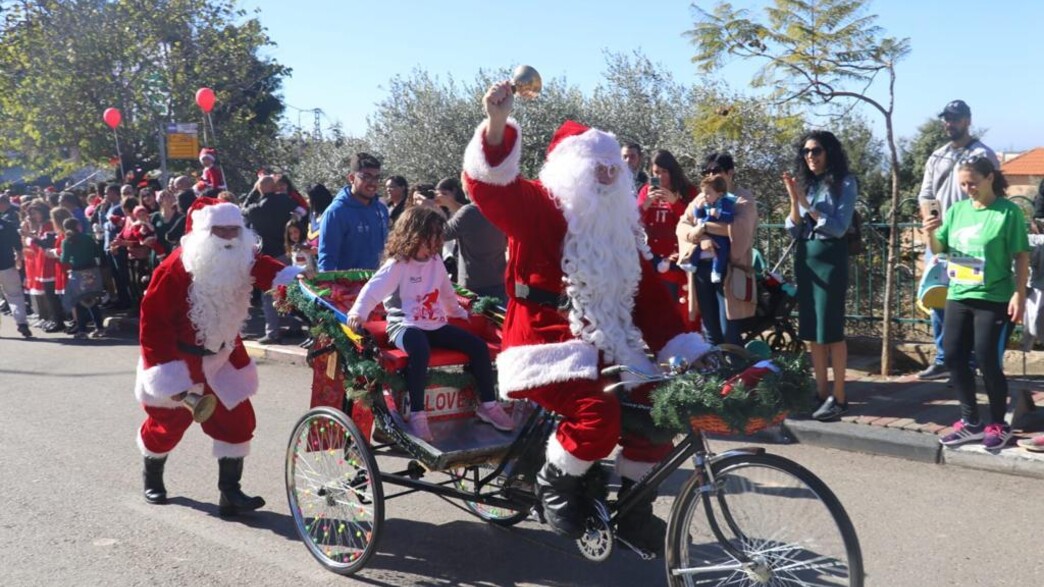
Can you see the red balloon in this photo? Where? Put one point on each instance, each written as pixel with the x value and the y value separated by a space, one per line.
pixel 112 117
pixel 205 99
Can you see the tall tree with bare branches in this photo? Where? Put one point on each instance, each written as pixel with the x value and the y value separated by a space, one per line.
pixel 822 53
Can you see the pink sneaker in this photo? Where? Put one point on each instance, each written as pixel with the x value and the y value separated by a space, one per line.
pixel 418 426
pixel 493 413
pixel 1035 444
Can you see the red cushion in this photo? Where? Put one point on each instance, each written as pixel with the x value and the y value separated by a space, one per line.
pixel 394 359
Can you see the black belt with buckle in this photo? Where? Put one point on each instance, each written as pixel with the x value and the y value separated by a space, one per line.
pixel 196 350
pixel 558 301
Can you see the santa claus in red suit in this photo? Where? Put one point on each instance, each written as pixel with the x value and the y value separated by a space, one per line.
pixel 582 294
pixel 197 300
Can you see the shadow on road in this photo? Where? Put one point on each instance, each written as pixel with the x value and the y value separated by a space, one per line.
pixel 276 523
pixel 476 553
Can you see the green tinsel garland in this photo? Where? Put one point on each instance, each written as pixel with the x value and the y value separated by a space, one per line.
pixel 356 365
pixel 693 394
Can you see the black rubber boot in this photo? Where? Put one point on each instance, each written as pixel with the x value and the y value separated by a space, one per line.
pixel 560 496
pixel 233 500
pixel 155 492
pixel 639 526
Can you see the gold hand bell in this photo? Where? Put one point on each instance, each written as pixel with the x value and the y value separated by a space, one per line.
pixel 526 82
pixel 201 406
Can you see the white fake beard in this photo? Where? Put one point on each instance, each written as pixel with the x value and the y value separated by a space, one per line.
pixel 219 296
pixel 600 256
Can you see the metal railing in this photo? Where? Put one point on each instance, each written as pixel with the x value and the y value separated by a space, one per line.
pixel 866 289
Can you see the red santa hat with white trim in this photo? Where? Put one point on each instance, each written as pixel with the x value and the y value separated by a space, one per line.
pixel 206 213
pixel 206 152
pixel 573 139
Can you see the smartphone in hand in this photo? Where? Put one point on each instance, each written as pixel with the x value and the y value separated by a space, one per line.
pixel 654 182
pixel 931 209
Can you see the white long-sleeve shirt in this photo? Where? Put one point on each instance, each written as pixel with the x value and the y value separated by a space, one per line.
pixel 415 293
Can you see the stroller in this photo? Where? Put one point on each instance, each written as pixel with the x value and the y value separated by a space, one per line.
pixel 772 321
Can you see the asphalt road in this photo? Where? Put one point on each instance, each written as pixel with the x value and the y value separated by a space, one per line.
pixel 70 484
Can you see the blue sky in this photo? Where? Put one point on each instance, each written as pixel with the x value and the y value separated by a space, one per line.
pixel 343 52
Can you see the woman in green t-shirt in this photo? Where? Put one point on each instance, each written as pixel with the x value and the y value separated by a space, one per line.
pixel 983 236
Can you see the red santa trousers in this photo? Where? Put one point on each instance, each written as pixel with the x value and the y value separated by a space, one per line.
pixel 164 427
pixel 590 428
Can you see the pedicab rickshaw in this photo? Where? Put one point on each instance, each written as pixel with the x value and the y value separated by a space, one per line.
pixel 743 517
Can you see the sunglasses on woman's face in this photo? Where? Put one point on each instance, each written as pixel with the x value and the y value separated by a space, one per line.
pixel 814 151
pixel 711 171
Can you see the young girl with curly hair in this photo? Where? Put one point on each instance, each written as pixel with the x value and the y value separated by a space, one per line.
pixel 420 300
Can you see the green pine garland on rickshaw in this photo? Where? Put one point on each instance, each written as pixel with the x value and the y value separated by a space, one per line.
pixel 693 394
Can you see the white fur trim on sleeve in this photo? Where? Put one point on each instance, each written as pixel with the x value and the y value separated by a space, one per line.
pixel 163 380
pixel 558 456
pixel 286 275
pixel 232 386
pixel 225 450
pixel 529 366
pixel 477 166
pixel 687 345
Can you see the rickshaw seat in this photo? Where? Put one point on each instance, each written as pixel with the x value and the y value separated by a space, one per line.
pixel 393 359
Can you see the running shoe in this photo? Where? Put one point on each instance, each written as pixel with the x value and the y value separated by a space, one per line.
pixel 934 372
pixel 997 436
pixel 418 426
pixel 1035 444
pixel 493 413
pixel 963 433
pixel 829 410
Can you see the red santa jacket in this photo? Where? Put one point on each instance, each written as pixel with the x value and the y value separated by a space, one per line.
pixel 168 365
pixel 539 347
pixel 213 177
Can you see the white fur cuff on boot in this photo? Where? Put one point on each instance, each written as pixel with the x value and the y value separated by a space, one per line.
pixel 567 463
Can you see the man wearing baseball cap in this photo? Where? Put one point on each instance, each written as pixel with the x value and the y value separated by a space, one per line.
pixel 940 184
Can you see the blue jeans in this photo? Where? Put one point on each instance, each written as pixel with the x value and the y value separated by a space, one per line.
pixel 84 313
pixel 717 328
pixel 417 344
pixel 938 316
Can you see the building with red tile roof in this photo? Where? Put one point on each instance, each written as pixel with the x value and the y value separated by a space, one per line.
pixel 1025 172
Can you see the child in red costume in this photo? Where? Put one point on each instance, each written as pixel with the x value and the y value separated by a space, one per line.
pixel 212 175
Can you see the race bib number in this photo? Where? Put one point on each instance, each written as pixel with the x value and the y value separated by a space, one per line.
pixel 966 270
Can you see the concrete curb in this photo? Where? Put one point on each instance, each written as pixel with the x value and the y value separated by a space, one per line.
pixel 1010 461
pixel 869 439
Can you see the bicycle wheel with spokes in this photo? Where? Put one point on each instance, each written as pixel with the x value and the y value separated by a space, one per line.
pixel 769 522
pixel 464 480
pixel 334 490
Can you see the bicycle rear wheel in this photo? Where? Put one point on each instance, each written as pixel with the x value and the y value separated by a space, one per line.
pixel 770 522
pixel 464 480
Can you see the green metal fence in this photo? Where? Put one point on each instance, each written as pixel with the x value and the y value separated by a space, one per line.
pixel 865 302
